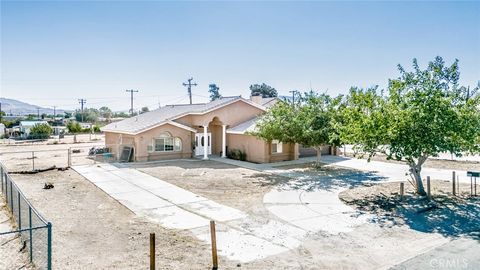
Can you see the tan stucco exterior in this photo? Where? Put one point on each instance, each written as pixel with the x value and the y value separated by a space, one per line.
pixel 230 115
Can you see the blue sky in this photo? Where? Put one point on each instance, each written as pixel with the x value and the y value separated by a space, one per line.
pixel 53 53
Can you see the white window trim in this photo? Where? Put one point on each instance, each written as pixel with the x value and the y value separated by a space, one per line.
pixel 153 148
pixel 279 147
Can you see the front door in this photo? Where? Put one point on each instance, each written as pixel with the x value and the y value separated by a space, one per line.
pixel 201 143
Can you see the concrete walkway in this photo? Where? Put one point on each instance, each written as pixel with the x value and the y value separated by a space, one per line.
pixel 311 202
pixel 239 236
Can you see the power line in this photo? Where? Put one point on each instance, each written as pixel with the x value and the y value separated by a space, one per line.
pixel 190 84
pixel 131 99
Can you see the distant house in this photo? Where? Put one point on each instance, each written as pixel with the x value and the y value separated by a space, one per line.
pixel 184 131
pixel 26 126
pixel 85 125
pixel 2 129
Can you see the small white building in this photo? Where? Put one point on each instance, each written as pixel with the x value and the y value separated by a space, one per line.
pixel 2 129
pixel 26 126
pixel 85 125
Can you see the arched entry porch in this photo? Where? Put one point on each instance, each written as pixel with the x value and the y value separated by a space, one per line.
pixel 211 139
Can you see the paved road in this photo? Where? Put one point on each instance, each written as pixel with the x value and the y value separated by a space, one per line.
pixel 458 254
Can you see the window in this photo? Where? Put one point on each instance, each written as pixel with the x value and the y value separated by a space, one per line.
pixel 167 143
pixel 276 147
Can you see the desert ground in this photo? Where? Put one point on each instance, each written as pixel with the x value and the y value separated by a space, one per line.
pixel 93 230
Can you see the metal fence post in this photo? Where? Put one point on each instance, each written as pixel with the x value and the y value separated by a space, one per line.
pixel 19 211
pixel 49 248
pixel 31 233
pixel 33 161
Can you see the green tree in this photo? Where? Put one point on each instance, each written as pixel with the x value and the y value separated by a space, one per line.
pixel 41 131
pixel 312 122
pixel 74 127
pixel 213 89
pixel 263 90
pixel 121 115
pixel 89 115
pixel 424 114
pixel 105 112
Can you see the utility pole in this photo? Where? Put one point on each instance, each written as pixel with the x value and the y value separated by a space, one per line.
pixel 0 111
pixel 190 84
pixel 38 113
pixel 54 112
pixel 293 96
pixel 131 99
pixel 82 102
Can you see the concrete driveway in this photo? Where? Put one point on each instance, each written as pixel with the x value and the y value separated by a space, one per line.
pixel 239 236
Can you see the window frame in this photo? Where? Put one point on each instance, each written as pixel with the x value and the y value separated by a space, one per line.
pixel 278 147
pixel 169 143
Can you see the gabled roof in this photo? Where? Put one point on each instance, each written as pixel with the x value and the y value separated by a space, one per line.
pixel 166 115
pixel 247 126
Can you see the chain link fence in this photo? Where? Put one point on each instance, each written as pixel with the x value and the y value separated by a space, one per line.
pixel 35 231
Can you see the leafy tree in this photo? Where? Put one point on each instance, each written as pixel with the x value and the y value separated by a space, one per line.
pixel 67 115
pixel 41 131
pixel 425 113
pixel 213 89
pixel 89 115
pixel 105 112
pixel 145 109
pixel 263 90
pixel 121 114
pixel 312 122
pixel 74 127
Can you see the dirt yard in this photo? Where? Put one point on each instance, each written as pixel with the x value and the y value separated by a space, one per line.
pixel 237 187
pixel 93 231
pixel 54 152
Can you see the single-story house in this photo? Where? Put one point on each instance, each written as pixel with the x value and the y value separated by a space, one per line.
pixel 189 130
pixel 26 126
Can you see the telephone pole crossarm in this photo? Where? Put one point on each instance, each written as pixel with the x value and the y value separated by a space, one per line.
pixel 189 87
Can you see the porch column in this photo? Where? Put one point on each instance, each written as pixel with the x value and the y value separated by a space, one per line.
pixel 205 142
pixel 224 141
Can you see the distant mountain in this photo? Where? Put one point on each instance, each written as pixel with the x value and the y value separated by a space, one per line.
pixel 16 107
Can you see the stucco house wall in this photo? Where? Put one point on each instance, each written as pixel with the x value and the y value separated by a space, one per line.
pixel 141 141
pixel 260 151
pixel 256 149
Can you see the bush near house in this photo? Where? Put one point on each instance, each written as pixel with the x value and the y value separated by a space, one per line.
pixel 40 131
pixel 74 127
pixel 237 154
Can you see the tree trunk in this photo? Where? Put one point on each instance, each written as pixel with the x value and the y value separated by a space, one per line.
pixel 416 169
